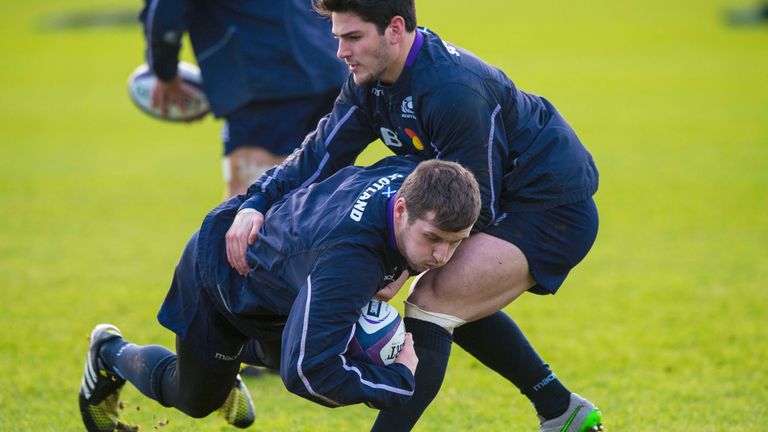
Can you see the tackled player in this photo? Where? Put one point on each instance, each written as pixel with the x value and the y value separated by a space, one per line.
pixel 311 270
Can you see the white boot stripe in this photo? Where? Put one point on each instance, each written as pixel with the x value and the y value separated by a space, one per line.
pixel 90 374
pixel 85 389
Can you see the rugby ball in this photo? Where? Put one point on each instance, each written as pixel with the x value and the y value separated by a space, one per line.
pixel 142 81
pixel 379 334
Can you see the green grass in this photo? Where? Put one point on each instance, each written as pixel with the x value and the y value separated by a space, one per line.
pixel 663 324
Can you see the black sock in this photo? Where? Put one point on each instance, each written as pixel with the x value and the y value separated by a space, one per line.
pixel 142 366
pixel 500 345
pixel 262 353
pixel 433 347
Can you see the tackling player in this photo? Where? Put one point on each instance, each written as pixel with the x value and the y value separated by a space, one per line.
pixel 423 96
pixel 268 68
pixel 322 254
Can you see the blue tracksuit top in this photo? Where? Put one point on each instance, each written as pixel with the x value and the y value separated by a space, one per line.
pixel 448 104
pixel 255 50
pixel 321 255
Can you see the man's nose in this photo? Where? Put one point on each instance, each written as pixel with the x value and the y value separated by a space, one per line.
pixel 343 51
pixel 441 253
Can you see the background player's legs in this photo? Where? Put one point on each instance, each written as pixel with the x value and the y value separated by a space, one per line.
pixel 263 133
pixel 246 164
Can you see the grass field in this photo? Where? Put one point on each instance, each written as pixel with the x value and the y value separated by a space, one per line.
pixel 664 324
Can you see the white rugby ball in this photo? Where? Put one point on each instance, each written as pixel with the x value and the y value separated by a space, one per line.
pixel 142 81
pixel 379 334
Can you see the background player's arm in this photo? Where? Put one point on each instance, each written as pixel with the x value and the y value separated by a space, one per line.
pixel 173 91
pixel 164 25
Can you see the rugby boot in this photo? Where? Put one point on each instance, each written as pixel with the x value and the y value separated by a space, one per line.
pixel 238 409
pixel 100 389
pixel 581 416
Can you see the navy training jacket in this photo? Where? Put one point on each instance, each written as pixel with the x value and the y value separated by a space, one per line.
pixel 255 50
pixel 448 104
pixel 321 255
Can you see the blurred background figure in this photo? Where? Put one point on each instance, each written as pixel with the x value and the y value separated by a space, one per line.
pixel 269 69
pixel 750 16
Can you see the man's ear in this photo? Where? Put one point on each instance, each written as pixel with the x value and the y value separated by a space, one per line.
pixel 395 30
pixel 400 209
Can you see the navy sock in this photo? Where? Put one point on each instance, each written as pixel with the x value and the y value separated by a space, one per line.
pixel 142 366
pixel 433 347
pixel 499 344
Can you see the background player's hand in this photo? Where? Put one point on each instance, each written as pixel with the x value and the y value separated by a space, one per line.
pixel 407 355
pixel 242 233
pixel 389 291
pixel 175 91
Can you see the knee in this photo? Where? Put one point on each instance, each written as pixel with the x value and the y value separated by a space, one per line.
pixel 431 292
pixel 202 405
pixel 198 412
pixel 424 304
pixel 422 293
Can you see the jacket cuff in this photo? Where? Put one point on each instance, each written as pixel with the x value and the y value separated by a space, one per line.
pixel 256 202
pixel 165 71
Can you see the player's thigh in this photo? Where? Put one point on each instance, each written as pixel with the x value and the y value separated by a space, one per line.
pixel 485 274
pixel 526 251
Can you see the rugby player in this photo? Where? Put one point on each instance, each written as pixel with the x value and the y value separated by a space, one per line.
pixel 426 97
pixel 322 254
pixel 269 70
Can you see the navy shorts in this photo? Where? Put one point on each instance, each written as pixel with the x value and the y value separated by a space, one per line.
pixel 216 339
pixel 278 126
pixel 553 240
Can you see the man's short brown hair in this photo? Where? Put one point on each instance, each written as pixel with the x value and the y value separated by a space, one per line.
pixel 444 188
pixel 379 12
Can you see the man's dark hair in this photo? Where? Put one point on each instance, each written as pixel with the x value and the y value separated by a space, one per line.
pixel 378 12
pixel 447 189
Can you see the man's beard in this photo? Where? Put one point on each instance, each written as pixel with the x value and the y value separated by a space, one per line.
pixel 379 62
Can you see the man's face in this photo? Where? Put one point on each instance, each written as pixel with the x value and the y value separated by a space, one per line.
pixel 424 245
pixel 368 54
